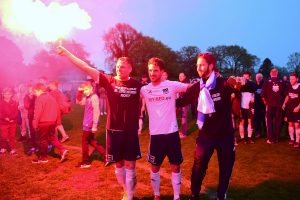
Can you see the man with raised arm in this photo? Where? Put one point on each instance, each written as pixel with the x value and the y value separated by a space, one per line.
pixel 123 93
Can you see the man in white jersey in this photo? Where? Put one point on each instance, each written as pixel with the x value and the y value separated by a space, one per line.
pixel 160 99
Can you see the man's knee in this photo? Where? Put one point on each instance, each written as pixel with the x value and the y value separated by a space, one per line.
pixel 129 164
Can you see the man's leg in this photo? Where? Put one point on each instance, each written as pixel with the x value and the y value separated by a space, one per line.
pixel 63 133
pixel 184 120
pixel 297 130
pixel 203 153
pixel 256 122
pixel 12 136
pixel 242 130
pixel 85 145
pixel 43 137
pixel 52 137
pixel 121 174
pixel 291 132
pixel 176 180
pixel 155 179
pixel 269 123
pixel 4 136
pixel 60 128
pixel 250 130
pixel 94 143
pixel 278 123
pixel 126 176
pixel 32 133
pixel 23 125
pixel 226 158
pixel 130 178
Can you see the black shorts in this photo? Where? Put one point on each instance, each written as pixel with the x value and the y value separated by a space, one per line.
pixel 165 145
pixel 122 145
pixel 292 116
pixel 246 113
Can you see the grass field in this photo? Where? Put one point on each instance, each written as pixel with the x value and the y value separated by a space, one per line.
pixel 261 172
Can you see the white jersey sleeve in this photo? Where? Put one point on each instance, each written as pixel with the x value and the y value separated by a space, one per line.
pixel 161 106
pixel 180 87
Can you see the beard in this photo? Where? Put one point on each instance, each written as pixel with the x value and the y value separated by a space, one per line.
pixel 204 74
pixel 155 79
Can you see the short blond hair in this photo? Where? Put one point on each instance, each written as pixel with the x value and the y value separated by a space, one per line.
pixel 39 87
pixel 7 90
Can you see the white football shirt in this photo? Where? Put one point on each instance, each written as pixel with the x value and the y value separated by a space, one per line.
pixel 161 105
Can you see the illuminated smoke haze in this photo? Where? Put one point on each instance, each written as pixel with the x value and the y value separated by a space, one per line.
pixel 34 25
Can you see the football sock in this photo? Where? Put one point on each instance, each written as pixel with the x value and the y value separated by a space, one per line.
pixel 121 177
pixel 155 182
pixel 291 132
pixel 176 183
pixel 130 182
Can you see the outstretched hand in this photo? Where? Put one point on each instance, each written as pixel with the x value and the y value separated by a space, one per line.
pixel 61 50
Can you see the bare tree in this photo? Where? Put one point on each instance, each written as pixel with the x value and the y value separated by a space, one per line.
pixel 119 40
pixel 233 59
pixel 294 63
pixel 187 58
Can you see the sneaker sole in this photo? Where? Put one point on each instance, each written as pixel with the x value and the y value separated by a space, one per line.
pixel 64 156
pixel 85 167
pixel 40 161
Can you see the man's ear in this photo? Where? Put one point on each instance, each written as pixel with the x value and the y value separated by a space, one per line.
pixel 211 67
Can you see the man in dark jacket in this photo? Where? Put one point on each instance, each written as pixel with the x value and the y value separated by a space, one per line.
pixel 214 121
pixel 259 119
pixel 273 97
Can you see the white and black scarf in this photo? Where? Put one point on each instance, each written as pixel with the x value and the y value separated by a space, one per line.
pixel 205 102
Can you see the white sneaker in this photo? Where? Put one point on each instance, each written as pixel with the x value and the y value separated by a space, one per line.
pixel 2 151
pixel 101 113
pixel 124 196
pixel 105 113
pixel 39 160
pixel 13 152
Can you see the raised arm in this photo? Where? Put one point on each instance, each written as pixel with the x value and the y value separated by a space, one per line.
pixel 92 72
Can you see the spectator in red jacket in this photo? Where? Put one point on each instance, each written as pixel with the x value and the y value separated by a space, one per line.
pixel 44 121
pixel 8 121
pixel 61 100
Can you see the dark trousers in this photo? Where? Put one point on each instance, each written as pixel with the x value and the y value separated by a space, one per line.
pixel 259 119
pixel 89 138
pixel 184 114
pixel 226 156
pixel 46 135
pixel 32 132
pixel 273 113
